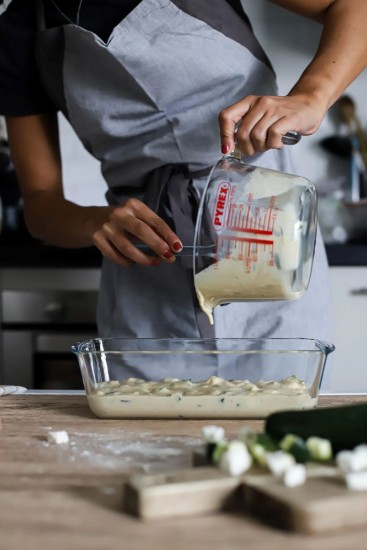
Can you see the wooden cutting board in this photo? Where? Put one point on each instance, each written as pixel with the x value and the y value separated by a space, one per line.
pixel 322 504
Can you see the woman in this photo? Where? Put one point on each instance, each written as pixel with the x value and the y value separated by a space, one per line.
pixel 142 84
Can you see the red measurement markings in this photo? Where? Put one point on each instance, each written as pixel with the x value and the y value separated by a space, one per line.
pixel 253 240
pixel 231 220
pixel 242 221
pixel 240 228
pixel 250 199
pixel 247 248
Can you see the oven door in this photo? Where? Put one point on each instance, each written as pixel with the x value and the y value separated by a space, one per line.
pixel 40 360
pixel 38 329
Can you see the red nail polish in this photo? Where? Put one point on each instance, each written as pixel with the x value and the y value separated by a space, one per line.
pixel 168 255
pixel 177 246
pixel 225 148
pixel 154 263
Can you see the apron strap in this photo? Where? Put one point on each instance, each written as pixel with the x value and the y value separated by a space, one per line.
pixel 172 195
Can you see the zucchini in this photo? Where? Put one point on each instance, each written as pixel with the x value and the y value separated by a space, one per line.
pixel 345 426
pixel 218 451
pixel 259 445
pixel 320 449
pixel 296 446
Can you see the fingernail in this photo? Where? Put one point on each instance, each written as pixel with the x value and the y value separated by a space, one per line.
pixel 225 148
pixel 154 263
pixel 168 255
pixel 177 246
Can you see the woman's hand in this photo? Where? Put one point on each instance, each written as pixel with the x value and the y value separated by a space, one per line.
pixel 261 121
pixel 130 222
pixel 57 221
pixel 340 57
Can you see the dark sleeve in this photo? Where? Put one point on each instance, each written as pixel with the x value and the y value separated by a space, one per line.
pixel 21 92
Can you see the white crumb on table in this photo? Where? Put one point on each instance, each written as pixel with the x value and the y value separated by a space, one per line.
pixel 58 437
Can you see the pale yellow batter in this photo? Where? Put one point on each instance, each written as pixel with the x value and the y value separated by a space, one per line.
pixel 211 398
pixel 228 281
pixel 257 276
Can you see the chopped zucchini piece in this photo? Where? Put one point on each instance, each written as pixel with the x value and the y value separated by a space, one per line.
pixel 218 451
pixel 320 449
pixel 279 461
pixel 295 446
pixel 236 459
pixel 259 446
pixel 344 426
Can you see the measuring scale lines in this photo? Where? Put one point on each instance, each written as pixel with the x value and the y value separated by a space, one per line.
pixel 247 219
pixel 258 223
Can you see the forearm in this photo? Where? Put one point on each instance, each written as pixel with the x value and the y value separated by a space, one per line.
pixel 59 222
pixel 49 216
pixel 341 56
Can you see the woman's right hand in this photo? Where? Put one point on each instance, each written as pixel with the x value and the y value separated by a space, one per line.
pixel 60 222
pixel 132 221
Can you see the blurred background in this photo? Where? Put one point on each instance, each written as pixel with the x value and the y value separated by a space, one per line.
pixel 41 288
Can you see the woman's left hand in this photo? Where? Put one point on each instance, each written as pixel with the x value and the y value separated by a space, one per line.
pixel 261 121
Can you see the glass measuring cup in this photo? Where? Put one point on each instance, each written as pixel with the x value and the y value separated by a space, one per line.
pixel 259 226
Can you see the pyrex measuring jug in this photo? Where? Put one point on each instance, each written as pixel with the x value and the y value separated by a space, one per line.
pixel 259 227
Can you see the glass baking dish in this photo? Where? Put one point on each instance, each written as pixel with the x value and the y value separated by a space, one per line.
pixel 204 378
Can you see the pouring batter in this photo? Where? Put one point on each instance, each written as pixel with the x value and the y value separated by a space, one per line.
pixel 279 271
pixel 142 84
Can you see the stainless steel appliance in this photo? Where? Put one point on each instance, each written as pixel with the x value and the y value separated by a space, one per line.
pixel 38 327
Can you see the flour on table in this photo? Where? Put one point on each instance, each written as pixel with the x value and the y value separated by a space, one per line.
pixel 120 450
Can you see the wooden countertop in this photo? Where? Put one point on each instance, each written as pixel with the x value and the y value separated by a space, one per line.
pixel 69 496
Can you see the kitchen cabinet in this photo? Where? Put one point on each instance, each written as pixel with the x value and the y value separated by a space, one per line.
pixel 349 362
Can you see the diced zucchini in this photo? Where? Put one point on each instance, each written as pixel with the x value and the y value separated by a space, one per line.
pixel 320 449
pixel 218 450
pixel 279 461
pixel 356 481
pixel 295 475
pixel 352 461
pixel 235 459
pixel 259 446
pixel 212 435
pixel 344 426
pixel 295 446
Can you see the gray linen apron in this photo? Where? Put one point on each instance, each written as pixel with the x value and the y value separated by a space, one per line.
pixel 146 105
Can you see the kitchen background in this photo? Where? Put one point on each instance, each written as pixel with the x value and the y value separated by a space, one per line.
pixel 42 288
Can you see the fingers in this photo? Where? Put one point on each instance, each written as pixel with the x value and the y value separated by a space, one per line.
pixel 228 119
pixel 110 252
pixel 261 123
pixel 134 221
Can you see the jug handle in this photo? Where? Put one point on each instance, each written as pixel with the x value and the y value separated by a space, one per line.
pixel 290 138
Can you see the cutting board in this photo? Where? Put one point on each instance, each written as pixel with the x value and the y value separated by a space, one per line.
pixel 322 504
